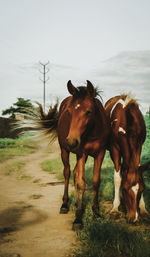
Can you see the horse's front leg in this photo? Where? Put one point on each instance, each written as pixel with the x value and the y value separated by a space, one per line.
pixel 79 182
pixel 96 181
pixel 65 159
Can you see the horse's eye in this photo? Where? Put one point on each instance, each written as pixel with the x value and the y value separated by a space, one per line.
pixel 88 112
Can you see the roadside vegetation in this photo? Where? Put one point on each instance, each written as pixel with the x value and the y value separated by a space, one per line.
pixel 13 168
pixel 10 148
pixel 109 236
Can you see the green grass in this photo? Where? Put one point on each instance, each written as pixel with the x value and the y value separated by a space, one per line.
pixel 146 147
pixel 13 167
pixel 104 236
pixel 35 196
pixel 10 148
pixel 6 142
pixel 36 180
pixel 100 239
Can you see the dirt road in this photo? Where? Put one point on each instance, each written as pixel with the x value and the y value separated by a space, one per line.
pixel 30 223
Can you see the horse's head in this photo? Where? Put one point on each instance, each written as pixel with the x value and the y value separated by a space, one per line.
pixel 82 112
pixel 133 186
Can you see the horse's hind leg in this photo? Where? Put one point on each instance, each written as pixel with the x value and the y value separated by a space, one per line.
pixel 65 159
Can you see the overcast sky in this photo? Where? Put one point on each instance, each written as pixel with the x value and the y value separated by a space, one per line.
pixel 104 41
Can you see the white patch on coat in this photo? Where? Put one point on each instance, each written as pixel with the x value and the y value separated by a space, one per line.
pixel 77 106
pixel 136 216
pixel 113 121
pixel 117 182
pixel 135 189
pixel 142 205
pixel 122 130
pixel 121 101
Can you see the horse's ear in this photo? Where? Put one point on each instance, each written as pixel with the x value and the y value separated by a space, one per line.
pixel 71 88
pixel 91 89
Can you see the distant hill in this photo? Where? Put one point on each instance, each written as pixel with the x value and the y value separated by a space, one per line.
pixel 127 71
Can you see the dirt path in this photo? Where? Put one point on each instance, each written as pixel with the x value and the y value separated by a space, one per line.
pixel 30 223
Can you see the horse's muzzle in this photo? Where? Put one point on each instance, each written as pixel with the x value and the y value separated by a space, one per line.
pixel 73 144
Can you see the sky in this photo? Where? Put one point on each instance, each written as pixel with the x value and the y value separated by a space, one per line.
pixel 104 41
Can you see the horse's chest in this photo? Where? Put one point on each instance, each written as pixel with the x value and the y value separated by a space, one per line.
pixel 92 148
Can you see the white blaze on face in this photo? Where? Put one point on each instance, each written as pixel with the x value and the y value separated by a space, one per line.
pixel 77 106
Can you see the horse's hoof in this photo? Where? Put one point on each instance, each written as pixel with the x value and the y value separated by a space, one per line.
pixel 77 226
pixel 64 210
pixel 114 210
pixel 115 214
pixel 133 222
pixel 145 214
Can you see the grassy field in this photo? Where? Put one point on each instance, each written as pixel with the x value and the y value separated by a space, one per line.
pixel 10 148
pixel 107 236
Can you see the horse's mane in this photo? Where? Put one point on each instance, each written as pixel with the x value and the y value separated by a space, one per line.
pixel 82 92
pixel 129 99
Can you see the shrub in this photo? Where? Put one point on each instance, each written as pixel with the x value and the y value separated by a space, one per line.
pixel 6 142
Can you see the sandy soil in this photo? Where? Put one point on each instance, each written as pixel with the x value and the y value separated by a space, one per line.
pixel 31 227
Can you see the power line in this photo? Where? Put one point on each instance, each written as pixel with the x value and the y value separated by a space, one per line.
pixel 44 71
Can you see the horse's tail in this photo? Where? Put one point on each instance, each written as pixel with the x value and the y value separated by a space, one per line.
pixel 40 123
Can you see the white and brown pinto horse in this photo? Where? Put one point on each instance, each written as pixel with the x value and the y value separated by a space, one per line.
pixel 128 133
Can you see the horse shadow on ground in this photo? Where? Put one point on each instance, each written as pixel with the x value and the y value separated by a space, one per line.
pixel 17 217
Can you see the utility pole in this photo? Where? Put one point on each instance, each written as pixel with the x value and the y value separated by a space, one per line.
pixel 44 71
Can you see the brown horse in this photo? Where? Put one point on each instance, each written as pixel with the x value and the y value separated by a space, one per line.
pixel 128 133
pixel 82 128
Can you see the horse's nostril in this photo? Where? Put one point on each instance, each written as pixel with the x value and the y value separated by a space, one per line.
pixel 72 143
pixel 75 144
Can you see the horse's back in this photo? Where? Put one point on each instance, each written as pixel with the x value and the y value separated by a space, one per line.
pixel 123 112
